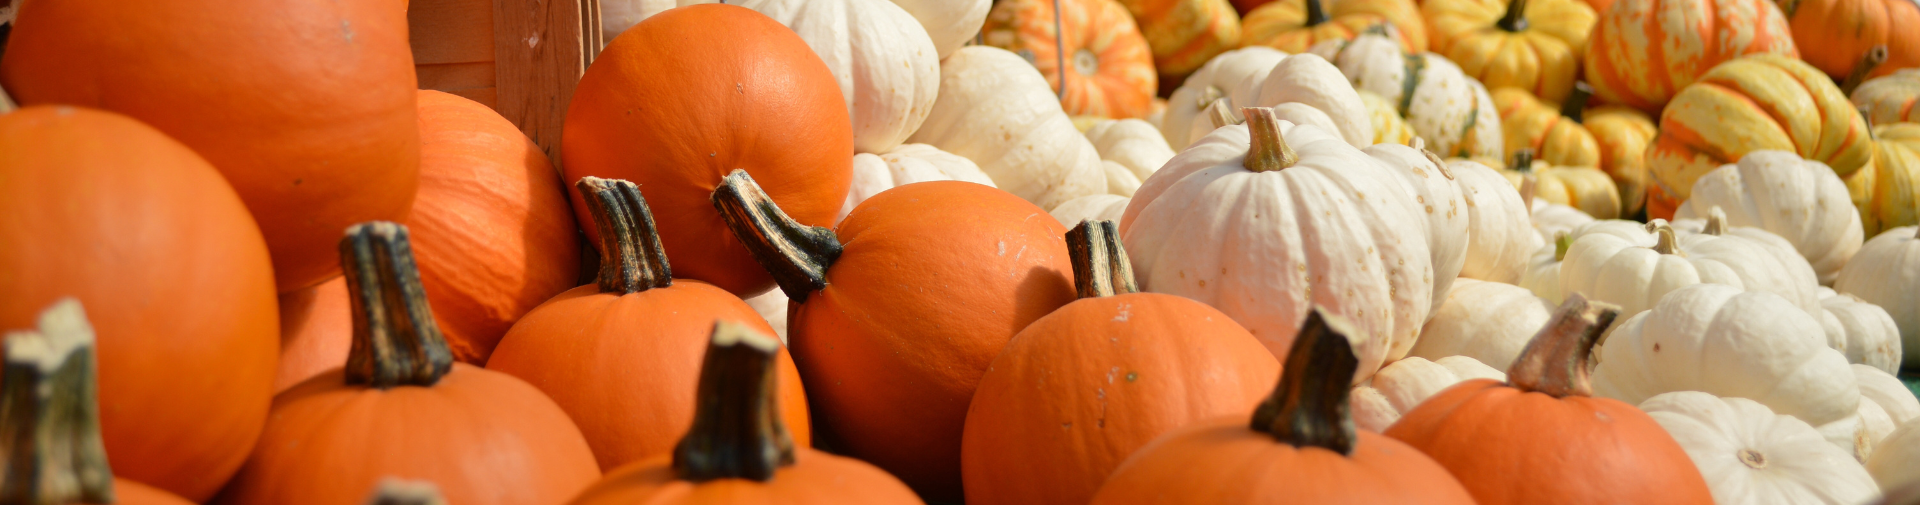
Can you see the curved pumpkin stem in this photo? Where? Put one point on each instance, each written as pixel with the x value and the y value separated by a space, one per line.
pixel 1869 61
pixel 631 256
pixel 392 491
pixel 1561 243
pixel 1516 18
pixel 1522 160
pixel 1316 14
pixel 1555 361
pixel 737 432
pixel 1309 406
pixel 1529 189
pixel 395 339
pixel 1100 265
pixel 796 254
pixel 50 413
pixel 1220 113
pixel 1575 108
pixel 1665 242
pixel 1268 150
pixel 1716 222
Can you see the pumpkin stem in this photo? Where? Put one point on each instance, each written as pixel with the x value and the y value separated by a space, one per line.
pixel 1575 108
pixel 1221 113
pixel 737 432
pixel 1309 406
pixel 1555 361
pixel 1206 98
pixel 1516 18
pixel 1522 160
pixel 1665 242
pixel 1869 61
pixel 796 254
pixel 50 413
pixel 1268 150
pixel 632 258
pixel 1716 222
pixel 1100 265
pixel 392 491
pixel 395 339
pixel 1562 241
pixel 1377 29
pixel 1529 187
pixel 1420 144
pixel 1316 15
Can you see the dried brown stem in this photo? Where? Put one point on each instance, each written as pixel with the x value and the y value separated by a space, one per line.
pixel 1268 149
pixel 50 413
pixel 737 432
pixel 796 254
pixel 1309 406
pixel 632 258
pixel 1100 265
pixel 1555 361
pixel 395 339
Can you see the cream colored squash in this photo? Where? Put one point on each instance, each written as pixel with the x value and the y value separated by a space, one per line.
pixel 1542 276
pixel 1750 455
pixel 1452 111
pixel 888 69
pixel 1102 207
pixel 1862 331
pixel 618 15
pixel 1132 143
pixel 1402 385
pixel 1885 403
pixel 1120 181
pixel 1326 226
pixel 1777 191
pixel 1726 341
pixel 1635 274
pixel 1501 236
pixel 1306 89
pixel 996 110
pixel 1886 272
pixel 1188 103
pixel 1487 321
pixel 1550 218
pixel 772 306
pixel 1895 463
pixel 950 24
pixel 1430 188
pixel 905 165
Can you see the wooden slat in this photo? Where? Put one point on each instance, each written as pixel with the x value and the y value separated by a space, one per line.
pixel 451 31
pixel 538 58
pixel 456 76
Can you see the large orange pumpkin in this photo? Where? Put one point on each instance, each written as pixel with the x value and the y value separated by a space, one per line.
pixel 621 355
pixel 52 420
pixel 1185 34
pixel 1300 448
pixel 1833 34
pixel 1529 44
pixel 1759 102
pixel 690 94
pixel 1109 66
pixel 738 450
pixel 403 408
pixel 316 332
pixel 1542 437
pixel 1643 52
pixel 1079 390
pixel 491 224
pixel 103 209
pixel 307 108
pixel 898 312
pixel 1295 25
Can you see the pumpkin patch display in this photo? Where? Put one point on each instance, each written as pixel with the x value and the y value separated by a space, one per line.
pixel 1446 107
pixel 657 108
pixel 1748 454
pixel 949 23
pixel 619 355
pixel 1470 429
pixel 1301 446
pixel 1533 45
pixel 1187 106
pixel 1295 25
pixel 1090 52
pixel 1883 273
pixel 100 208
pixel 1887 192
pixel 997 110
pixel 1399 387
pixel 1184 34
pixel 1643 52
pixel 1890 99
pixel 905 165
pixel 1490 322
pixel 891 365
pixel 886 65
pixel 1079 390
pixel 1801 201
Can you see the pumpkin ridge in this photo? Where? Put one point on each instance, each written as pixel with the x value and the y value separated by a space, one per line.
pixel 396 341
pixel 52 412
pixel 737 431
pixel 797 255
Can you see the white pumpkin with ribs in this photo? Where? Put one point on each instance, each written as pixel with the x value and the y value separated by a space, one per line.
pixel 996 110
pixel 1750 455
pixel 1799 200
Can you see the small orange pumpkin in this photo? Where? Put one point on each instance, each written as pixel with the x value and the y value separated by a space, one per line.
pixel 1295 25
pixel 1832 34
pixel 1109 66
pixel 621 356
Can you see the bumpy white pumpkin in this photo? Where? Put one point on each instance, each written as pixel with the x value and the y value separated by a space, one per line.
pixel 1402 385
pixel 618 15
pixel 1749 455
pixel 1777 191
pixel 1551 218
pixel 996 110
pixel 1187 104
pixel 1133 143
pixel 1634 274
pixel 1430 188
pixel 949 23
pixel 1726 341
pixel 888 69
pixel 1501 237
pixel 1306 89
pixel 1264 237
pixel 1886 272
pixel 1487 321
pixel 1885 404
pixel 1120 181
pixel 1449 109
pixel 1104 207
pixel 1542 275
pixel 905 165
pixel 1862 331
pixel 1895 463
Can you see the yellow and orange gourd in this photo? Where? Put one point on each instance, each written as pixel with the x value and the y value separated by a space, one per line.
pixel 1295 25
pixel 1090 51
pixel 1534 45
pixel 1643 52
pixel 1185 34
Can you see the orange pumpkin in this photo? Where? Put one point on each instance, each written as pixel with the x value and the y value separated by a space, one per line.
pixel 1833 34
pixel 1300 448
pixel 1078 390
pixel 674 103
pixel 896 314
pixel 1111 67
pixel 1759 102
pixel 307 108
pixel 103 209
pixel 1184 34
pixel 52 421
pixel 316 332
pixel 1642 52
pixel 1611 138
pixel 1597 450
pixel 402 406
pixel 491 224
pixel 739 450
pixel 1295 25
pixel 621 355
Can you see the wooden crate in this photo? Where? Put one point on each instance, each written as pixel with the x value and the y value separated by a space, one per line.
pixel 521 57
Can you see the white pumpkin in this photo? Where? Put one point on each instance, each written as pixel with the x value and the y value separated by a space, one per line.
pixel 1551 218
pixel 1326 226
pixel 1211 82
pixel 1401 386
pixel 1542 275
pixel 1886 272
pixel 1885 403
pixel 1430 188
pixel 949 23
pixel 996 110
pixel 1103 207
pixel 1727 341
pixel 1449 109
pixel 1120 181
pixel 772 306
pixel 1306 89
pixel 1895 463
pixel 1133 143
pixel 1862 331
pixel 1750 455
pixel 1777 191
pixel 1501 237
pixel 618 15
pixel 905 165
pixel 1487 321
pixel 1635 274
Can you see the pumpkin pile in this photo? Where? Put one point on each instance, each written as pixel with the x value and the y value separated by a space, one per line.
pixel 969 251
